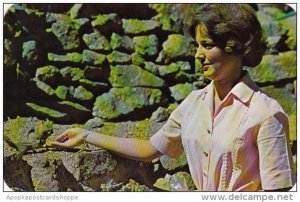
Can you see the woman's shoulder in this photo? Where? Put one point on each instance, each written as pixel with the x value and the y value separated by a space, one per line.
pixel 264 102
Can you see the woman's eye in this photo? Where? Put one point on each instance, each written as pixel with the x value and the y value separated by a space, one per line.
pixel 208 46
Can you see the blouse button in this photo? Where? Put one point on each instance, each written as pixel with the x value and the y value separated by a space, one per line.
pixel 205 153
pixel 208 131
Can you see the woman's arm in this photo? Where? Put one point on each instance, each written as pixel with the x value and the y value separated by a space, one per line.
pixel 132 148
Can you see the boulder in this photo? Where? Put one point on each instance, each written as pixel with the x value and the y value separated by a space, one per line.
pixel 91 57
pixel 180 181
pixel 181 91
pixel 122 101
pixel 118 42
pixel 275 67
pixel 96 41
pixel 146 45
pixel 117 57
pixel 136 26
pixel 133 76
pixel 69 57
pixel 176 46
pixel 30 51
pixel 48 74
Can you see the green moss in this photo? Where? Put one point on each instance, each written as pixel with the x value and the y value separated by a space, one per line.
pixel 118 57
pixel 167 70
pixel 103 19
pixel 275 67
pixel 181 91
pixel 93 84
pixel 45 110
pixel 178 45
pixel 92 57
pixel 62 92
pixel 120 101
pixel 73 73
pixel 74 11
pixel 134 186
pixel 137 59
pixel 47 72
pixel 29 50
pixel 81 93
pixel 181 181
pixel 135 26
pixel 118 42
pixel 44 87
pixel 69 57
pixel 137 129
pixel 132 75
pixel 74 105
pixel 43 130
pixel 96 41
pixel 146 45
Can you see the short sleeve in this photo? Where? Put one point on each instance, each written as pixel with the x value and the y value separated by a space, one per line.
pixel 275 159
pixel 168 139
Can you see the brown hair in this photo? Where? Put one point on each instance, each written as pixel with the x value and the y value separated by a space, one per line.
pixel 234 28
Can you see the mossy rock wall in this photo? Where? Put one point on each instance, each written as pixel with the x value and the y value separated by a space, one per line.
pixel 119 69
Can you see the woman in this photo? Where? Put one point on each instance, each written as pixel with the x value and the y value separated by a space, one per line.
pixel 235 137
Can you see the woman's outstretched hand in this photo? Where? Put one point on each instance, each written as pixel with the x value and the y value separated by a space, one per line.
pixel 70 138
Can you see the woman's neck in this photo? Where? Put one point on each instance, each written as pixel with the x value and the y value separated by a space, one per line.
pixel 223 87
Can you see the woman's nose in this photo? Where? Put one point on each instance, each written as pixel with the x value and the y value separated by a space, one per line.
pixel 200 55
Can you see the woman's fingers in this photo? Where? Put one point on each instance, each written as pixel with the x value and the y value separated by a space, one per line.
pixel 63 137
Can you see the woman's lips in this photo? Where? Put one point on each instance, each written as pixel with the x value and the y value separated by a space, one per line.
pixel 205 67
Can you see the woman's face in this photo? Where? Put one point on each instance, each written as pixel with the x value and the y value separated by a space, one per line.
pixel 217 65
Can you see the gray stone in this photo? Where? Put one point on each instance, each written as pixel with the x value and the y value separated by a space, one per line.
pixel 153 68
pixel 146 45
pixel 290 24
pixel 93 85
pixel 75 10
pixel 94 123
pixel 165 70
pixel 135 26
pixel 81 93
pixel 133 76
pixel 52 113
pixel 121 101
pixel 118 57
pixel 172 164
pixel 181 91
pixel 62 92
pixel 135 187
pixel 29 51
pixel 176 46
pixel 96 41
pixel 143 129
pixel 75 106
pixel 180 181
pixel 26 133
pixel 69 57
pixel 92 57
pixel 137 59
pixel 118 42
pixel 49 74
pixel 72 73
pixel 275 67
pixel 44 87
pixel 65 29
pixel 101 20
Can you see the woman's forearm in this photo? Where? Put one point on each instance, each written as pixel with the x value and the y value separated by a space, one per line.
pixel 132 148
